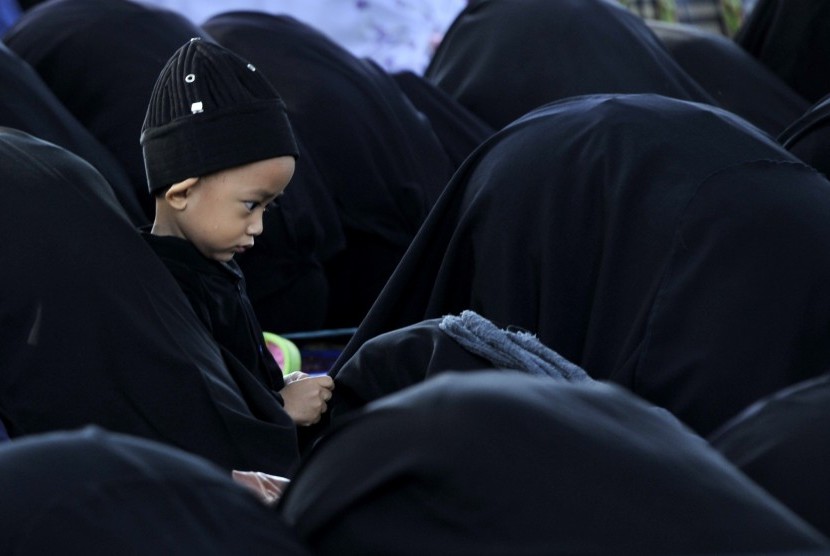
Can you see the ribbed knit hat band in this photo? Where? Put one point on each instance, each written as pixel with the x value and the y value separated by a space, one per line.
pixel 210 110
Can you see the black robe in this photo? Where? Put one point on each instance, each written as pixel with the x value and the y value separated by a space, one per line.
pixel 736 80
pixel 216 291
pixel 98 493
pixel 379 159
pixel 101 58
pixel 782 444
pixel 664 245
pixel 28 104
pixel 96 330
pixel 499 462
pixel 790 38
pixel 503 59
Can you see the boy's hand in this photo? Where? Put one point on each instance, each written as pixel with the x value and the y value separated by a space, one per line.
pixel 305 399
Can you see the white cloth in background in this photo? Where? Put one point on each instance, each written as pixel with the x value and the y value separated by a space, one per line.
pixel 397 34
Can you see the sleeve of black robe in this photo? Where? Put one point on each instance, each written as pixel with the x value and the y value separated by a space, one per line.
pixel 503 463
pixel 98 493
pixel 96 330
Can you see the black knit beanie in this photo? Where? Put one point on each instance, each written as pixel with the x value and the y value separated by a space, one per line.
pixel 211 110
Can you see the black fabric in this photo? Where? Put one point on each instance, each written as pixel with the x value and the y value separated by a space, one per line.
pixel 736 80
pixel 28 104
pixel 664 245
pixel 503 59
pixel 782 444
pixel 217 293
pixel 501 462
pixel 101 58
pixel 96 330
pixel 459 130
pixel 790 38
pixel 210 110
pixel 94 492
pixel 379 159
pixel 808 136
pixel 396 360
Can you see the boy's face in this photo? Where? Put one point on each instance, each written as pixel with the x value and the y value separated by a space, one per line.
pixel 224 210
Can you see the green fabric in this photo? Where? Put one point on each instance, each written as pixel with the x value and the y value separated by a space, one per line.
pixel 292 360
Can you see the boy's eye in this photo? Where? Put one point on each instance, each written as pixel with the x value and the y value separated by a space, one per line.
pixel 275 204
pixel 250 205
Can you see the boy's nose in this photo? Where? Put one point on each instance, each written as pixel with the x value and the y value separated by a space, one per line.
pixel 255 226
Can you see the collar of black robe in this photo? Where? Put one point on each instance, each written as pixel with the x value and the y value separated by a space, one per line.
pixel 180 249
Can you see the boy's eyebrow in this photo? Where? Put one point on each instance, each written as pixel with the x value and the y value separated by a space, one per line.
pixel 263 194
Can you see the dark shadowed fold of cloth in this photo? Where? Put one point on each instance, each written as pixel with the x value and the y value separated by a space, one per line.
pixel 781 443
pixel 503 59
pixel 736 80
pixel 664 245
pixel 501 462
pixel 98 331
pixel 790 38
pixel 458 129
pixel 379 158
pixel 98 493
pixel 28 104
pixel 808 136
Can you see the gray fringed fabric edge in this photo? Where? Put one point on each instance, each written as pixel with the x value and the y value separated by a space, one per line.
pixel 512 350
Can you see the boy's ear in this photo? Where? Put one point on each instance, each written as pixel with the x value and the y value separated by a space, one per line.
pixel 176 194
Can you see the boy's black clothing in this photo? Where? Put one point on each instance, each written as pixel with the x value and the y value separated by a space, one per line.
pixel 217 293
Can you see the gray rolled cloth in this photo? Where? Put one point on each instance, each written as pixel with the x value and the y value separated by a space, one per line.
pixel 508 349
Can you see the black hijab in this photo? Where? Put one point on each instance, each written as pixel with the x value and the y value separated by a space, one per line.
pixel 95 492
pixel 502 59
pixel 378 157
pixel 790 38
pixel 101 59
pixel 664 245
pixel 500 462
pixel 27 104
pixel 736 80
pixel 96 330
pixel 782 444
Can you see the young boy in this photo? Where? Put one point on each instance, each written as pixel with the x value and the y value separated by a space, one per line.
pixel 218 149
